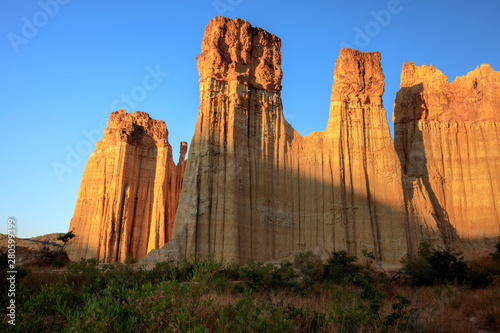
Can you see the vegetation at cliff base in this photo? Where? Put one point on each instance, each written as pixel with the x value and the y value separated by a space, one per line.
pixel 435 291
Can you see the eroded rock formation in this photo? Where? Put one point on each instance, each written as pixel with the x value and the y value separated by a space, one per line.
pixel 129 191
pixel 447 136
pixel 255 189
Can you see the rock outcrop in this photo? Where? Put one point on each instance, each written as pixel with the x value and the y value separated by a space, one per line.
pixel 447 136
pixel 255 189
pixel 129 192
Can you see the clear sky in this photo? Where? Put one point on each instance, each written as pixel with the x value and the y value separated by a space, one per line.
pixel 67 64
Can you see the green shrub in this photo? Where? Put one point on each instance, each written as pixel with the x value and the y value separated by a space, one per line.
pixel 48 257
pixel 254 274
pixel 434 266
pixel 402 318
pixel 448 266
pixel 259 276
pixel 129 259
pixel 86 273
pixel 482 275
pixel 310 266
pixel 232 271
pixel 184 270
pixel 283 276
pixel 340 267
pixel 4 260
pixel 42 311
pixel 162 271
pixel 496 255
pixel 59 261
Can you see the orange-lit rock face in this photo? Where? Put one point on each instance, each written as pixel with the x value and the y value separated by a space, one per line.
pixel 447 138
pixel 426 95
pixel 129 191
pixel 358 77
pixel 233 50
pixel 255 189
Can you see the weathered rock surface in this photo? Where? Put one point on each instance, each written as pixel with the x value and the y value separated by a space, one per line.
pixel 447 136
pixel 129 191
pixel 255 189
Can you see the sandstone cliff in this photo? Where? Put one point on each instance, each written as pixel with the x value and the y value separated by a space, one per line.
pixel 129 191
pixel 255 189
pixel 447 139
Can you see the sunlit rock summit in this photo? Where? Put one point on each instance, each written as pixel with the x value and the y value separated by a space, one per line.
pixel 129 192
pixel 447 136
pixel 254 188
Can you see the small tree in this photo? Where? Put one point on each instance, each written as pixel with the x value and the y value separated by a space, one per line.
pixel 66 237
pixel 433 266
pixel 496 255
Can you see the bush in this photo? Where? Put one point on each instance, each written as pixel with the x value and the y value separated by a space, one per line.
pixel 48 257
pixel 257 276
pixel 402 317
pixel 435 266
pixel 310 266
pixel 340 267
pixel 4 259
pixel 496 255
pixel 162 271
pixel 129 260
pixel 232 271
pixel 481 275
pixel 184 270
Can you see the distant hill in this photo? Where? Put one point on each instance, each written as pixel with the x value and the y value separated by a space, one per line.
pixel 34 243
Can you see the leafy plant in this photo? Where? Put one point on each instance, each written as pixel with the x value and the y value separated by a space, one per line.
pixel 340 267
pixel 267 277
pixel 433 266
pixel 310 266
pixel 129 260
pixel 496 255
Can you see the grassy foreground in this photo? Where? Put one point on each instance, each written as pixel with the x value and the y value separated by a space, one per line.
pixel 435 292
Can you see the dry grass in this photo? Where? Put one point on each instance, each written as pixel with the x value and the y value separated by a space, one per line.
pixel 441 308
pixel 325 307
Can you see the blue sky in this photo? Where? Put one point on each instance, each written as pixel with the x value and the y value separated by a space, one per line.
pixel 67 64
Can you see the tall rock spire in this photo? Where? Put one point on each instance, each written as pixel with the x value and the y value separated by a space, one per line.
pixel 255 189
pixel 129 192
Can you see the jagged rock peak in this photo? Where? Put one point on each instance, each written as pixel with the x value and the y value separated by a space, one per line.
pixel 234 50
pixel 358 77
pixel 135 128
pixel 427 94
